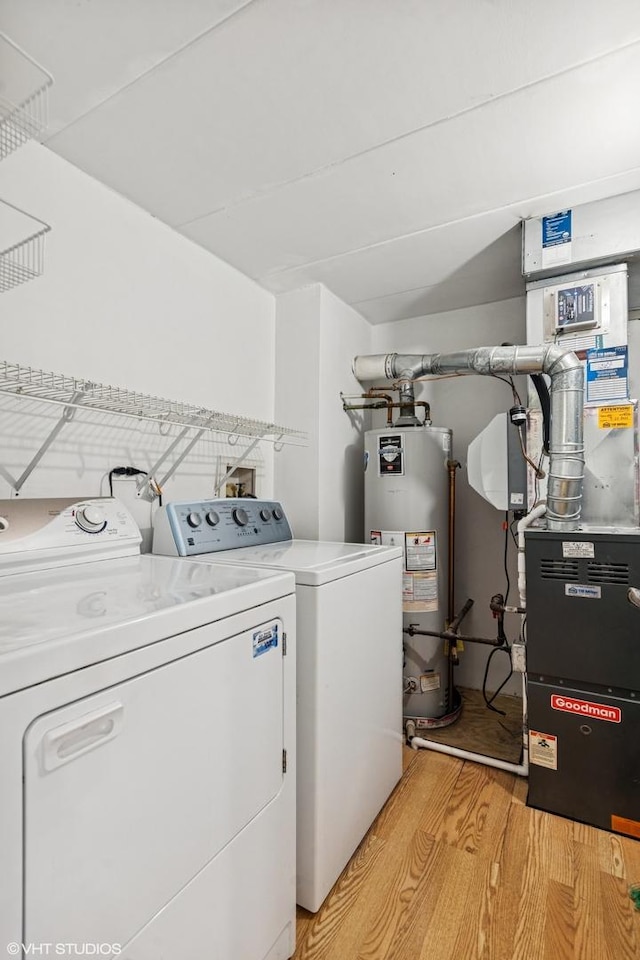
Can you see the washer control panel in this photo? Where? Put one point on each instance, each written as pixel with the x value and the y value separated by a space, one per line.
pixel 191 528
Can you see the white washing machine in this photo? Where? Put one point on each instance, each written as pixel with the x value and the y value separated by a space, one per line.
pixel 349 681
pixel 147 710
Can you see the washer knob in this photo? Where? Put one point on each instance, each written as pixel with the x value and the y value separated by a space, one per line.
pixel 212 518
pixel 90 519
pixel 278 513
pixel 265 514
pixel 194 520
pixel 240 516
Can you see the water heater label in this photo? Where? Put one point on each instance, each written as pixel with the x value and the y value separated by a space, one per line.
pixel 543 749
pixel 420 550
pixel 420 592
pixel 582 590
pixel 586 708
pixel 390 456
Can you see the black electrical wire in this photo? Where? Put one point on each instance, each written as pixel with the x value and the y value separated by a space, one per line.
pixel 124 472
pixel 489 700
pixel 542 390
pixel 513 536
pixel 510 383
pixel 506 648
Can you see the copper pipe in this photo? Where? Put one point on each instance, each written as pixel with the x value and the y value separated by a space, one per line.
pixel 452 466
pixel 387 402
pixel 371 406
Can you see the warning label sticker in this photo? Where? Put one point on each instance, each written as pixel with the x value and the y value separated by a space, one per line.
pixel 429 681
pixel 543 749
pixel 419 592
pixel 420 550
pixel 615 418
pixel 578 548
pixel 388 538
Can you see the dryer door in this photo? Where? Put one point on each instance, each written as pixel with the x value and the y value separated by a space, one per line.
pixel 129 793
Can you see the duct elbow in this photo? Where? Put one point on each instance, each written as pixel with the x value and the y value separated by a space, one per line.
pixel 558 360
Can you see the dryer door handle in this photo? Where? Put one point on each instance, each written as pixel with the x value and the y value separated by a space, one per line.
pixel 71 740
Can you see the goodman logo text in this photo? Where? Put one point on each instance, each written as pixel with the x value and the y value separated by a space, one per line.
pixel 586 708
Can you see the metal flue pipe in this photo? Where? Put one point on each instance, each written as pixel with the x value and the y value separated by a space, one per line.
pixel 566 447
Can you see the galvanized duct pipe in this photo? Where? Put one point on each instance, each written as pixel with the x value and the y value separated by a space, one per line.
pixel 566 448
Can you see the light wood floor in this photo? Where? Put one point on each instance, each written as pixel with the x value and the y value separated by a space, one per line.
pixel 457 866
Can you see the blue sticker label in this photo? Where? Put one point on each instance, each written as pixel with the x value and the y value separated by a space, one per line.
pixel 264 640
pixel 607 374
pixel 556 229
pixel 582 590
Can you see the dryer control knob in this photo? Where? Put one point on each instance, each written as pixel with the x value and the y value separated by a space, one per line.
pixel 278 513
pixel 265 514
pixel 194 520
pixel 212 518
pixel 240 516
pixel 4 524
pixel 90 519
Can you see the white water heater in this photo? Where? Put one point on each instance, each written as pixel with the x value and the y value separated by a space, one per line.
pixel 407 504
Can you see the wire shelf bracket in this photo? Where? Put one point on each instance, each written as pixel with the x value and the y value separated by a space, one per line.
pixel 73 394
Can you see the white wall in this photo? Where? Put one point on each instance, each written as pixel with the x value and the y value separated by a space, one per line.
pixel 467 404
pixel 317 337
pixel 124 300
pixel 297 398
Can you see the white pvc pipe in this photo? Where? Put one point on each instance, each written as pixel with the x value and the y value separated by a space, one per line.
pixel 520 769
pixel 534 514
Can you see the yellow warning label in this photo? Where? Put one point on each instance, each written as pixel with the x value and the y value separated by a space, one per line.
pixel 613 418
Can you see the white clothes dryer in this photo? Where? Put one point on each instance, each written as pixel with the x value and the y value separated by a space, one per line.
pixel 349 656
pixel 148 745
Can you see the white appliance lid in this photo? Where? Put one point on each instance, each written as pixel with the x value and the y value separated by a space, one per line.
pixel 57 620
pixel 313 562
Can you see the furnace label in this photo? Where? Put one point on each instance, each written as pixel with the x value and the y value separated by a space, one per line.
pixel 615 418
pixel 578 548
pixel 556 239
pixel 582 590
pixel 543 749
pixel 586 708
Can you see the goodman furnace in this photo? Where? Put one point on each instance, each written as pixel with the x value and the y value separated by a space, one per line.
pixel 583 666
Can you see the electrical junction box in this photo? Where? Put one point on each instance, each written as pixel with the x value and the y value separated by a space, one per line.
pixel 580 311
pixel 496 467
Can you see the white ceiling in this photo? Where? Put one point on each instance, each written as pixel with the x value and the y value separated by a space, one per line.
pixel 387 148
